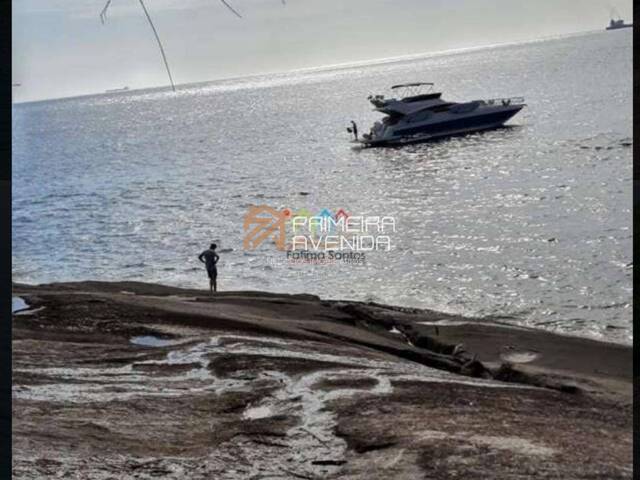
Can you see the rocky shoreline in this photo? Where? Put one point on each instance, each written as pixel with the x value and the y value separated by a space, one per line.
pixel 130 380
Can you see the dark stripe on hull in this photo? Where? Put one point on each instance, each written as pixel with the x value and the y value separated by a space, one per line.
pixel 468 124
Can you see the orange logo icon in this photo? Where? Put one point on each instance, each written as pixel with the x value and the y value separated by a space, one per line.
pixel 262 222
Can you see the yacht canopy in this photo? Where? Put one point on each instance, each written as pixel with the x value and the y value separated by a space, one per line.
pixel 408 85
pixel 414 89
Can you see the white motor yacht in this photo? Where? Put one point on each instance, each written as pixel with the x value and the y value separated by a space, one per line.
pixel 420 115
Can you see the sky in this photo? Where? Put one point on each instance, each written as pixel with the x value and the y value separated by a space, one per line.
pixel 60 48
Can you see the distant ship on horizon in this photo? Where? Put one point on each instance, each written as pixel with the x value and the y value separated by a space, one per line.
pixel 617 22
pixel 116 90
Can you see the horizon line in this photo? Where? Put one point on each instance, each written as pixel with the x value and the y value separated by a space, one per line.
pixel 329 67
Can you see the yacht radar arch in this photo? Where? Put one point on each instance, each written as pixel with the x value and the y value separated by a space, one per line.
pixel 414 89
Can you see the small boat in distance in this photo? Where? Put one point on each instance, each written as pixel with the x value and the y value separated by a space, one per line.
pixel 616 21
pixel 616 24
pixel 422 115
pixel 117 90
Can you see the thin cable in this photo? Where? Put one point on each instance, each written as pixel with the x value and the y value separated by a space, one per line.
pixel 155 32
pixel 231 8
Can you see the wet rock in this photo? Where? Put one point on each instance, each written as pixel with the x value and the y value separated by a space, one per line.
pixel 290 387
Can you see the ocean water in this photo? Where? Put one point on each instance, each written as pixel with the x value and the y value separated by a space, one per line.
pixel 530 222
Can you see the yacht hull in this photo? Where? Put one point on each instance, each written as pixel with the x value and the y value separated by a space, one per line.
pixel 446 128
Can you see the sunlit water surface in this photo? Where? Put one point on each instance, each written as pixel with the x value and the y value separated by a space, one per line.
pixel 531 222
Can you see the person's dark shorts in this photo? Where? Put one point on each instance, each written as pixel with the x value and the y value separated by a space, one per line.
pixel 212 272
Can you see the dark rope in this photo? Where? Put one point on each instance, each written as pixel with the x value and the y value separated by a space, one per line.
pixel 155 32
pixel 231 8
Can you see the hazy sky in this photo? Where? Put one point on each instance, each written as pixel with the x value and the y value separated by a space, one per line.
pixel 60 47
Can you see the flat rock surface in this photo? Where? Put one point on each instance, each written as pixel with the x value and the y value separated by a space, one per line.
pixel 127 380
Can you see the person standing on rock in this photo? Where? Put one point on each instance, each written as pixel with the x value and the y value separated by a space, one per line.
pixel 210 259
